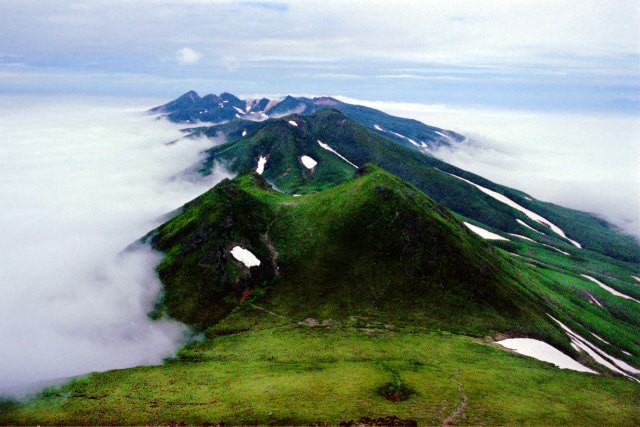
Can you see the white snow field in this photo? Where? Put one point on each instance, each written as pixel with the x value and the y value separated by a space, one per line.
pixel 485 234
pixel 598 355
pixel 543 351
pixel 261 162
pixel 308 162
pixel 534 216
pixel 611 290
pixel 328 148
pixel 521 222
pixel 245 256
pixel 522 237
pixel 292 123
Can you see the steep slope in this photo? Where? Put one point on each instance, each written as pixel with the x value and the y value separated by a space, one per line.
pixel 347 143
pixel 372 246
pixel 283 144
pixel 349 304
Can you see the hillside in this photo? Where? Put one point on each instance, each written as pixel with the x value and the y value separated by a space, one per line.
pixel 366 301
pixel 360 248
pixel 338 144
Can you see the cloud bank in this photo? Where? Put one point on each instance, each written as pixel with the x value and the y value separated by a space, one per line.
pixel 589 162
pixel 83 179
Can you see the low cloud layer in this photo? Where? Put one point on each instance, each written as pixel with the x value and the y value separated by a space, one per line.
pixel 589 162
pixel 82 180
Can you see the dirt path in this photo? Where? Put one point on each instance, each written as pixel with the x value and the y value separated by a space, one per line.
pixel 463 403
pixel 273 313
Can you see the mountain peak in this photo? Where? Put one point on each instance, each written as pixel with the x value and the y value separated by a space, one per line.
pixel 325 100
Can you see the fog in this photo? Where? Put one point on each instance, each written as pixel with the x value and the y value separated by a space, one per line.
pixel 589 162
pixel 83 178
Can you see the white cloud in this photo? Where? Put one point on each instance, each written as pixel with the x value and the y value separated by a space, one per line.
pixel 186 56
pixel 588 162
pixel 567 34
pixel 81 180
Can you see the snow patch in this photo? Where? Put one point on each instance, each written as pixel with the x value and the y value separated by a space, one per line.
pixel 604 341
pixel 545 352
pixel 521 222
pixel 328 148
pixel 378 128
pixel 485 234
pixel 637 278
pixel 593 300
pixel 308 162
pixel 610 289
pixel 598 355
pixel 442 134
pixel 245 256
pixel 534 216
pixel 261 162
pixel 244 133
pixel 556 249
pixel 522 237
pixel 408 139
pixel 293 123
pixel 239 110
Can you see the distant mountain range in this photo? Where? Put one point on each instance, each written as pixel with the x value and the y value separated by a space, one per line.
pixel 191 108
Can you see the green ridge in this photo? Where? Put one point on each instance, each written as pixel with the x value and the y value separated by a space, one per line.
pixel 284 144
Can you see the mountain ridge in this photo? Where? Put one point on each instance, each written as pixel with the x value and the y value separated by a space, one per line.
pixel 191 108
pixel 463 192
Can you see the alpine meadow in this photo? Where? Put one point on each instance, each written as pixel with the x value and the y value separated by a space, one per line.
pixel 376 214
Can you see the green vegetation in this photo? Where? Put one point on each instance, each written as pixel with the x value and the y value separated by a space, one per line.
pixel 371 301
pixel 284 144
pixel 372 246
pixel 302 375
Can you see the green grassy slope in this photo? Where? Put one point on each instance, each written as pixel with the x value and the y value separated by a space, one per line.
pixel 300 375
pixel 360 145
pixel 372 246
pixel 283 145
pixel 363 288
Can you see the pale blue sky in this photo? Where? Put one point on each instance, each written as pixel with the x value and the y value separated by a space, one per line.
pixel 558 55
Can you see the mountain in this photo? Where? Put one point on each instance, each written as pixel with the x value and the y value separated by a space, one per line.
pixel 359 248
pixel 339 144
pixel 365 301
pixel 489 204
pixel 191 108
pixel 344 278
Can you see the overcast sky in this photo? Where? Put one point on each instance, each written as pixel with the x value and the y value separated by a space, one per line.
pixel 525 54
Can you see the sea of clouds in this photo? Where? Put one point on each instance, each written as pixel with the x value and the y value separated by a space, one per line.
pixel 82 179
pixel 584 161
